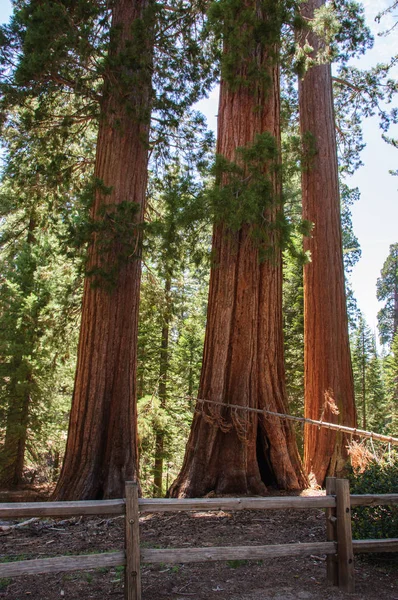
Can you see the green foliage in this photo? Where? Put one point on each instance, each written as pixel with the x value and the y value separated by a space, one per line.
pixel 360 94
pixel 40 289
pixel 379 521
pixel 244 189
pixel 390 367
pixel 172 322
pixel 353 37
pixel 245 32
pixel 387 292
pixel 293 321
pixel 4 583
pixel 39 296
pixel 235 564
pixel 370 392
pixel 58 67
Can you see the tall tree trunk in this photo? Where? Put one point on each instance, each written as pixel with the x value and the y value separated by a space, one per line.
pixel 163 372
pixel 241 452
pixel 327 360
pixel 101 451
pixel 363 379
pixel 12 459
pixel 395 321
pixel 12 456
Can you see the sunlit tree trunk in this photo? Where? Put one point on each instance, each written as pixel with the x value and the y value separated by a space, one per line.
pixel 101 451
pixel 329 387
pixel 243 361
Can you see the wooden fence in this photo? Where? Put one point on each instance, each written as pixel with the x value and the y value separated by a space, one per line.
pixel 339 547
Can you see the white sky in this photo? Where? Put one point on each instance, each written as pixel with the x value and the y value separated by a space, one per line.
pixel 375 216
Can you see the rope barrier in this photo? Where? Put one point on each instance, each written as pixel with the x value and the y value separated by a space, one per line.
pixel 343 428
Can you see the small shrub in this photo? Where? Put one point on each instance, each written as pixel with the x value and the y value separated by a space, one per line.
pixel 235 564
pixel 4 583
pixel 375 522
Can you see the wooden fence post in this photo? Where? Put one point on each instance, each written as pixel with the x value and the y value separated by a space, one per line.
pixel 331 534
pixel 132 579
pixel 345 554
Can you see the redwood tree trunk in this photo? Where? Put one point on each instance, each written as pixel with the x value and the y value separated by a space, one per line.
pixel 241 452
pixel 327 360
pixel 101 451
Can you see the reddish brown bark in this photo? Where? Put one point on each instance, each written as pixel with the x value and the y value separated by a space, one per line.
pixel 243 356
pixel 101 451
pixel 328 371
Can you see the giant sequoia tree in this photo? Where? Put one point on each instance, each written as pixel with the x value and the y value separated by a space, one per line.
pixel 237 451
pixel 101 451
pixel 329 389
pixel 70 68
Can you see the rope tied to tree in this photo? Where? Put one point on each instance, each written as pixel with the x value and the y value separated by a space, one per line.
pixel 214 417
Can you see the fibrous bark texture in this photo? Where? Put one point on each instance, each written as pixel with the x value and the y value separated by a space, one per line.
pixel 101 452
pixel 241 452
pixel 329 387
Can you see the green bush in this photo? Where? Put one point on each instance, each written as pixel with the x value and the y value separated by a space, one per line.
pixel 376 522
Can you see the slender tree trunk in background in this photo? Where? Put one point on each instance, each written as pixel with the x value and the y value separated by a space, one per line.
pixel 13 453
pixel 327 360
pixel 395 324
pixel 163 373
pixel 363 381
pixel 12 456
pixel 243 359
pixel 190 374
pixel 101 451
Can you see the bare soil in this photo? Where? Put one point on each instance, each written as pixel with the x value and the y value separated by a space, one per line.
pixel 276 579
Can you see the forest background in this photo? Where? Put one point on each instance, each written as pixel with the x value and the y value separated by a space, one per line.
pixel 179 304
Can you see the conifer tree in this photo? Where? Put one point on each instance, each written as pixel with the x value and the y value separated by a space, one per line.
pixel 228 451
pixel 368 380
pixel 391 376
pixel 329 388
pixel 387 292
pixel 38 294
pixel 174 259
pixel 103 59
pixel 40 289
pixel 101 452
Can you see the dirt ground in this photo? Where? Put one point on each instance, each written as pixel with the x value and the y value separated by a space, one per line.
pixel 276 579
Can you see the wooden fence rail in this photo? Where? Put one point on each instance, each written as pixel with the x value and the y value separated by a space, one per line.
pixel 339 547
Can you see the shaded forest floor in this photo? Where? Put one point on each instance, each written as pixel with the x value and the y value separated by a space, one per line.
pixel 276 579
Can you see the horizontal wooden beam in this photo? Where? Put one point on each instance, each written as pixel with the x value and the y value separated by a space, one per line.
pixel 14 510
pixel 193 555
pixel 373 499
pixel 387 545
pixel 149 505
pixel 62 563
